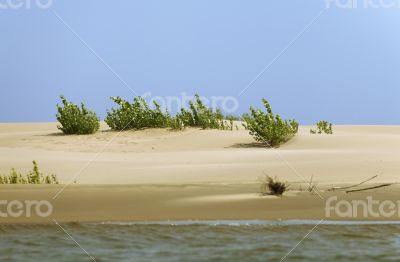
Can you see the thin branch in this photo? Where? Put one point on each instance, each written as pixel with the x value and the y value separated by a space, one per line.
pixel 347 187
pixel 368 188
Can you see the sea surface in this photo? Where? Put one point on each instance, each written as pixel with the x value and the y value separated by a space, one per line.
pixel 202 241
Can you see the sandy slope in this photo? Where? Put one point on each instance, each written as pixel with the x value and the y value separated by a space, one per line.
pixel 195 174
pixel 194 156
pixel 102 203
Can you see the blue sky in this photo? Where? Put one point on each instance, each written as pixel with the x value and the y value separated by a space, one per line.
pixel 344 68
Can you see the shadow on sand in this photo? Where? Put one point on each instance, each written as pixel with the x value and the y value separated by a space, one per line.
pixel 249 145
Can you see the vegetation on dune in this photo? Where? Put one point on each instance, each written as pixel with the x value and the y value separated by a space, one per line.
pixel 271 186
pixel 76 120
pixel 32 177
pixel 139 115
pixel 263 126
pixel 198 115
pixel 136 115
pixel 269 128
pixel 233 117
pixel 323 127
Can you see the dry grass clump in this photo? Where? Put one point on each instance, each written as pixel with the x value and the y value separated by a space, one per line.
pixel 271 186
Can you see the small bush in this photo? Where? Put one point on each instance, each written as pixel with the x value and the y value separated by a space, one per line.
pixel 199 115
pixel 271 186
pixel 323 127
pixel 75 119
pixel 176 123
pixel 138 115
pixel 32 177
pixel 269 128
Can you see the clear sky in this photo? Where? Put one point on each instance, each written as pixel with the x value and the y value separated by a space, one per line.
pixel 343 67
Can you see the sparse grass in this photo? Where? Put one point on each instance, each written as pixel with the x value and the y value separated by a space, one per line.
pixel 311 185
pixel 32 177
pixel 271 186
pixel 269 128
pixel 323 127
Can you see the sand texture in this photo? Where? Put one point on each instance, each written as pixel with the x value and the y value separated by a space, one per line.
pixel 158 174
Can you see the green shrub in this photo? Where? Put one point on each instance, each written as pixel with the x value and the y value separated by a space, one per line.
pixel 204 117
pixel 176 123
pixel 198 115
pixel 32 177
pixel 233 117
pixel 323 127
pixel 136 115
pixel 75 119
pixel 271 186
pixel 269 128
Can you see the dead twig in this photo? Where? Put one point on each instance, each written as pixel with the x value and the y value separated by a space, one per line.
pixel 347 187
pixel 368 188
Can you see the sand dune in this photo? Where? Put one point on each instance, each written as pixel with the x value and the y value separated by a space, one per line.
pixel 201 156
pixel 194 174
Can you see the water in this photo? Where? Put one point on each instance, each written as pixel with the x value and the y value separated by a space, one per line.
pixel 202 241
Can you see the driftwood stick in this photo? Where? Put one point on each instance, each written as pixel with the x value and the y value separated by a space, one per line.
pixel 368 188
pixel 347 187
